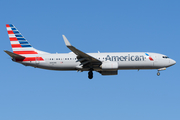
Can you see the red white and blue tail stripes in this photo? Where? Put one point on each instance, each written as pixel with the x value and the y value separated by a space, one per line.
pixel 19 44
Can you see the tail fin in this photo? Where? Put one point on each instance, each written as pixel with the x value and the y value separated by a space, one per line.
pixel 19 44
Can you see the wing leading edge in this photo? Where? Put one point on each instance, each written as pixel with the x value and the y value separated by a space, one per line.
pixel 85 59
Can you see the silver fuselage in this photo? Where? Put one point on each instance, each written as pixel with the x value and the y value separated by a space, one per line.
pixel 125 60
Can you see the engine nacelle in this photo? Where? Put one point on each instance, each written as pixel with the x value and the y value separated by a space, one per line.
pixel 109 66
pixel 109 72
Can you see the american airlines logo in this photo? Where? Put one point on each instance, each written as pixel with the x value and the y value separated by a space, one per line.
pixel 150 58
pixel 125 58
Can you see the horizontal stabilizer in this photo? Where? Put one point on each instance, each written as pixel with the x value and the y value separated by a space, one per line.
pixel 14 55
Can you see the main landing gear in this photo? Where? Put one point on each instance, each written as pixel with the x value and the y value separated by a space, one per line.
pixel 90 74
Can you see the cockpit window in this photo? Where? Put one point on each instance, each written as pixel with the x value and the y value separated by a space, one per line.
pixel 165 57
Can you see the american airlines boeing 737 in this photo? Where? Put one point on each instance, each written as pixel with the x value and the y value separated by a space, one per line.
pixel 104 63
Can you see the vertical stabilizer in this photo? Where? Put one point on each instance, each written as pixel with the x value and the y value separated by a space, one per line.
pixel 19 44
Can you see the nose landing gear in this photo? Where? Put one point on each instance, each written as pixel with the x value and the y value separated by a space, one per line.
pixel 158 73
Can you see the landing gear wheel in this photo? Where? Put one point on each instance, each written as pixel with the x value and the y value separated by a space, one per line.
pixel 90 74
pixel 158 73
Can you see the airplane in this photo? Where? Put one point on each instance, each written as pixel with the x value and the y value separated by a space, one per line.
pixel 104 63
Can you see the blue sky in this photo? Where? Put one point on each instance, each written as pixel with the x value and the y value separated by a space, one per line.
pixel 28 93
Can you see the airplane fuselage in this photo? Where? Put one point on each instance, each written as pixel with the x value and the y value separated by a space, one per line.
pixel 125 60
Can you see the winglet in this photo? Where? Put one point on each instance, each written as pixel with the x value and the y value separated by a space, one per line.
pixel 66 41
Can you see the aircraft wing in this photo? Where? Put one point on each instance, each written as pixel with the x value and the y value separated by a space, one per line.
pixel 82 57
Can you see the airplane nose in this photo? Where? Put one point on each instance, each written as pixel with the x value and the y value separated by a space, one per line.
pixel 173 62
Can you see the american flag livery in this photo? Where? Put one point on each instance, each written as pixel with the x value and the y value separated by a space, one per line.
pixel 21 46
